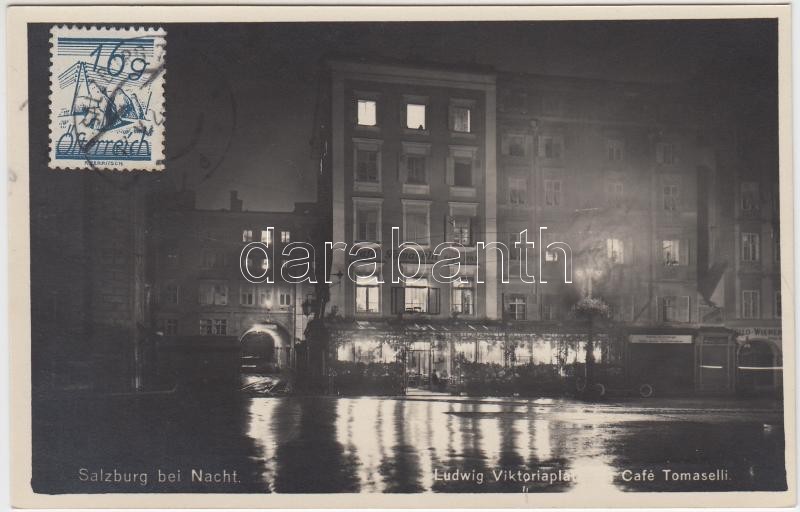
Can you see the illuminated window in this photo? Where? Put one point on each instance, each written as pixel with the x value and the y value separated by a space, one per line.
pixel 674 252
pixel 247 235
pixel 671 197
pixel 415 116
pixel 286 237
pixel 462 230
pixel 461 118
pixel 266 236
pixel 517 307
pixel 368 295
pixel 416 295
pixel 220 327
pixel 463 299
pixel 206 327
pixel 615 250
pixel 367 113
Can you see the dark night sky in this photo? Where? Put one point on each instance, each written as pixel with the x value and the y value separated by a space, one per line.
pixel 240 98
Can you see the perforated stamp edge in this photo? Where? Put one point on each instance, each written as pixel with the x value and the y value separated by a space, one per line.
pixel 152 110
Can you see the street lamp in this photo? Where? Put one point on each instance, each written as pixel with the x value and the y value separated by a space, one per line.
pixel 590 274
pixel 589 307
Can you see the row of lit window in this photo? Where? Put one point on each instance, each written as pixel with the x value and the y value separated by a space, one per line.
pixel 416 115
pixel 208 327
pixel 460 165
pixel 217 294
pixel 750 199
pixel 554 193
pixel 266 236
pixel 552 147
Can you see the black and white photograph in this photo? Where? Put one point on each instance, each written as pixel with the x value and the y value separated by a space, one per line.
pixel 530 259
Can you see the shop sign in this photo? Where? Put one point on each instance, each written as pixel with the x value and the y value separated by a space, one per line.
pixel 751 332
pixel 660 338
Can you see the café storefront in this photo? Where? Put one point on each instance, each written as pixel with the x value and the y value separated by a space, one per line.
pixel 536 358
pixel 472 357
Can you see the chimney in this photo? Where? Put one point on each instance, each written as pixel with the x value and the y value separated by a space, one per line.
pixel 236 203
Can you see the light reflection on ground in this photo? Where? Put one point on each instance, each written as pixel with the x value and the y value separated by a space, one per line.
pixel 409 445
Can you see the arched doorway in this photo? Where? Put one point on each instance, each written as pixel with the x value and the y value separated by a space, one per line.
pixel 759 367
pixel 266 348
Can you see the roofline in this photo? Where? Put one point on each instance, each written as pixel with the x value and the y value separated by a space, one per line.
pixel 388 71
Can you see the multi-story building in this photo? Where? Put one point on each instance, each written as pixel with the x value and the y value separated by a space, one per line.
pixel 199 288
pixel 412 152
pixel 88 280
pixel 746 249
pixel 620 187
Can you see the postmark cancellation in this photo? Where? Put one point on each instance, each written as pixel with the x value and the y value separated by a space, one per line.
pixel 107 108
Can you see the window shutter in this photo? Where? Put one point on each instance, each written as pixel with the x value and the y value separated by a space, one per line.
pixel 684 249
pixel 757 243
pixel 627 252
pixel 450 118
pixel 398 300
pixel 402 168
pixel 433 301
pixel 471 240
pixel 352 111
pixel 684 312
pixel 450 170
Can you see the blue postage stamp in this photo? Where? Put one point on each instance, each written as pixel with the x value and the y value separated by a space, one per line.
pixel 107 98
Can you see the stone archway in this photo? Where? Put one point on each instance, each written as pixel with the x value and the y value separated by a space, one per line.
pixel 266 348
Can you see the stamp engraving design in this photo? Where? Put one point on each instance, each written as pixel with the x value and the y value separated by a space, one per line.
pixel 107 98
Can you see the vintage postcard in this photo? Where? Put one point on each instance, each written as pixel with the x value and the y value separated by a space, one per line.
pixel 415 257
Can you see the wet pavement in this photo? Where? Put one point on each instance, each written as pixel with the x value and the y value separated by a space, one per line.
pixel 425 443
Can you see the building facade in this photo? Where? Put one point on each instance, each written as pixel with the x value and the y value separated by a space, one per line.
pixel 199 289
pixel 89 285
pixel 620 187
